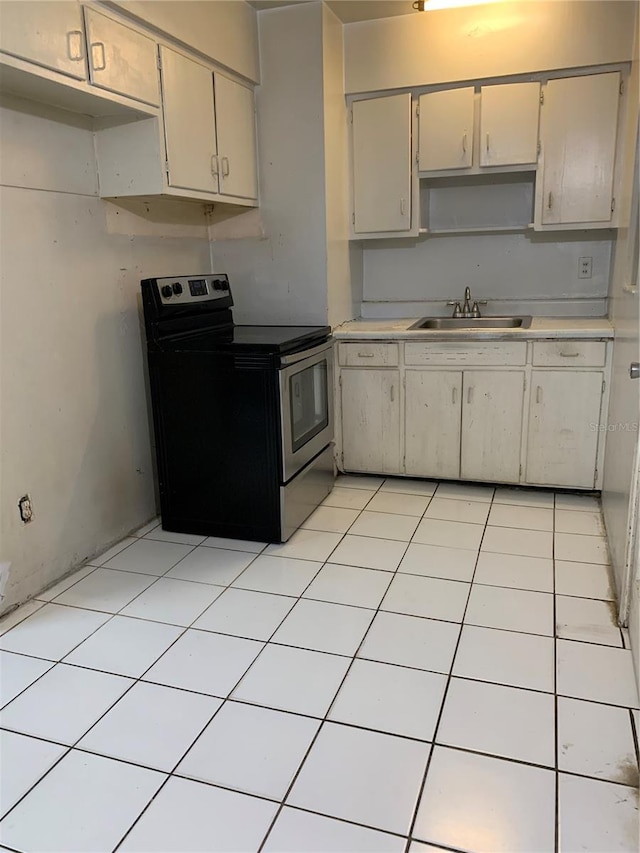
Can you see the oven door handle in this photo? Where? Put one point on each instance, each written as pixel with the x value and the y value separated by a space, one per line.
pixel 295 357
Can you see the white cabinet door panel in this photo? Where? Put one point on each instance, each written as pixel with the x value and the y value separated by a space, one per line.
pixel 235 120
pixel 433 400
pixel 580 117
pixel 382 164
pixel 121 59
pixel 492 425
pixel 446 130
pixel 509 124
pixel 189 122
pixel 563 427
pixel 370 407
pixel 47 33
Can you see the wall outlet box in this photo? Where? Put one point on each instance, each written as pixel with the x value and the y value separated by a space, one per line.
pixel 585 266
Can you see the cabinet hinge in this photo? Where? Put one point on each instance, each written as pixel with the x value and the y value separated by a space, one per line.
pixel 159 60
pixel 418 108
pixel 520 470
pixel 622 87
pixel 340 380
pixel 539 148
pixel 613 204
pixel 351 116
pixel 417 156
pixel 166 167
pixel 353 219
pixel 542 97
pixel 604 385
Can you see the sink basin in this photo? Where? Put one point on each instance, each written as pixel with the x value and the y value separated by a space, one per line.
pixel 467 323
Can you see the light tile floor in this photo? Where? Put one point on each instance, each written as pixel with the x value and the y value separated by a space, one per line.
pixel 422 667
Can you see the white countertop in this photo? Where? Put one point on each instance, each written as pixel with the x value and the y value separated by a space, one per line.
pixel 540 328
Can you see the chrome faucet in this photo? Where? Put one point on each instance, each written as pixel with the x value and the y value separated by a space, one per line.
pixel 468 309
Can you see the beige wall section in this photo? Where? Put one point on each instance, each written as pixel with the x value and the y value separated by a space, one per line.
pixel 74 422
pixel 344 287
pixel 490 40
pixel 224 30
pixel 624 405
pixel 292 263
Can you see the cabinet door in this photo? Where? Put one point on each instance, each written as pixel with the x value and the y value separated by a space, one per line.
pixel 509 124
pixel 382 164
pixel 47 33
pixel 370 404
pixel 446 130
pixel 579 124
pixel 189 123
pixel 235 119
pixel 433 402
pixel 563 427
pixel 492 425
pixel 121 59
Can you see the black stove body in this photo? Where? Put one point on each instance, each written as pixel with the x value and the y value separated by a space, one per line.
pixel 243 415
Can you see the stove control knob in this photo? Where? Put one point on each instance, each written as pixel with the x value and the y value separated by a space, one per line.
pixel 219 284
pixel 166 290
pixel 177 288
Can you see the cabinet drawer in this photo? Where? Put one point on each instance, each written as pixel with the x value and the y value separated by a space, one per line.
pixel 368 354
pixel 446 353
pixel 569 353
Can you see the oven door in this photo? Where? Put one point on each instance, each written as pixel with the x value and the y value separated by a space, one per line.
pixel 306 406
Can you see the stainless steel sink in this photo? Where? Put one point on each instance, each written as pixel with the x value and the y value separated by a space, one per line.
pixel 468 323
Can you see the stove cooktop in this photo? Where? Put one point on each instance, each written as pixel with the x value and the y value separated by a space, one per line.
pixel 264 339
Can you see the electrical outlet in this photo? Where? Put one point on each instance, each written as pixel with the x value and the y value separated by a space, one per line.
pixel 25 509
pixel 584 267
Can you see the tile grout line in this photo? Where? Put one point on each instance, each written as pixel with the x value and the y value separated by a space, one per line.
pixel 325 719
pixel 421 788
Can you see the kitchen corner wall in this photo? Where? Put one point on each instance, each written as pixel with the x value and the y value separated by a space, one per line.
pixel 75 428
pixel 302 268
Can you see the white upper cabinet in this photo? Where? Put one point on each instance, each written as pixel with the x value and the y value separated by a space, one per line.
pixel 46 33
pixel 122 59
pixel 381 160
pixel 235 118
pixel 509 124
pixel 579 123
pixel 189 123
pixel 446 130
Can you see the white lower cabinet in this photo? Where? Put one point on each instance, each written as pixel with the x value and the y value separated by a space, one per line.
pixel 433 400
pixel 564 416
pixel 370 405
pixel 492 425
pixel 509 423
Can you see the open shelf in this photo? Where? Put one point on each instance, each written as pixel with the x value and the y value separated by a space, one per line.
pixel 477 204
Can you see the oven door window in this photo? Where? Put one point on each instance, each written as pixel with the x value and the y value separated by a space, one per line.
pixel 309 404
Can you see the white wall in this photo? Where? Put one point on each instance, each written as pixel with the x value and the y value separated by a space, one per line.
pixel 74 422
pixel 624 405
pixel 491 40
pixel 516 272
pixel 344 275
pixel 281 278
pixel 224 30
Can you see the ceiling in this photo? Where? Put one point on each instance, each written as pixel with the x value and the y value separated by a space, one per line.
pixel 350 10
